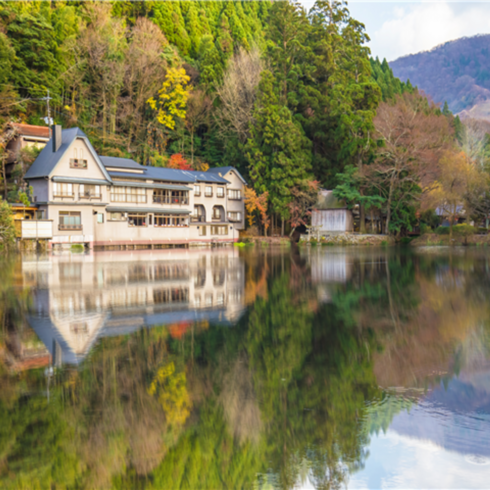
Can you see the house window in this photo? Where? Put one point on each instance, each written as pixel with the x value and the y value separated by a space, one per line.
pixel 118 217
pixel 100 217
pixel 202 231
pixel 218 213
pixel 137 219
pixel 40 214
pixel 128 194
pixel 62 190
pixel 208 192
pixel 78 162
pixel 234 216
pixel 171 220
pixel 70 220
pixel 234 194
pixel 197 190
pixel 170 197
pixel 89 191
pixel 220 192
pixel 219 230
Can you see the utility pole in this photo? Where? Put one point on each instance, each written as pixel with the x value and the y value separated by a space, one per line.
pixel 47 99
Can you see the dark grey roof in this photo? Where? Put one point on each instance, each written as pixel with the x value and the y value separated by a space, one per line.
pixel 79 180
pixel 170 187
pixel 209 178
pixel 158 173
pixel 121 163
pixel 135 209
pixel 224 170
pixel 48 159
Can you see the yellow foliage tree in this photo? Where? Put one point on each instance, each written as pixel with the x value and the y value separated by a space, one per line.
pixel 172 98
pixel 171 388
pixel 257 203
pixel 458 179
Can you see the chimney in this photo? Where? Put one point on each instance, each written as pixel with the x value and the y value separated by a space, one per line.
pixel 56 137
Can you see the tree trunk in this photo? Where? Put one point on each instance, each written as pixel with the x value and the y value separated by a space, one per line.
pixel 282 227
pixel 388 213
pixel 104 117
pixel 4 176
pixel 362 219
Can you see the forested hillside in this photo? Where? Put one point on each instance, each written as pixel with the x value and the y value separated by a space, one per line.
pixel 457 72
pixel 291 98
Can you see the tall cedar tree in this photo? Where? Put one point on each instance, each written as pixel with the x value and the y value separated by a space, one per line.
pixel 277 151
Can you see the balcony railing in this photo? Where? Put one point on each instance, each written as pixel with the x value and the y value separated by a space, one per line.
pixel 89 195
pixel 170 200
pixel 64 194
pixel 69 227
pixel 198 219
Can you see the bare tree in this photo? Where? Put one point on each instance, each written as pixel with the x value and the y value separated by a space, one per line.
pixel 238 92
pixel 99 55
pixel 413 138
pixel 145 70
pixel 198 108
pixel 474 141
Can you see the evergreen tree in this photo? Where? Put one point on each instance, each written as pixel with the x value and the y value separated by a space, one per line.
pixel 278 152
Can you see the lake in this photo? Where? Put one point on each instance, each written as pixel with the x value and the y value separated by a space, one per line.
pixel 251 368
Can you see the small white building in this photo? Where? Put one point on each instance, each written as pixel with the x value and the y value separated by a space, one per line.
pixel 331 215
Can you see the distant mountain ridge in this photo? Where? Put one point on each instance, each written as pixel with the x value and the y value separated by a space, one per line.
pixel 457 72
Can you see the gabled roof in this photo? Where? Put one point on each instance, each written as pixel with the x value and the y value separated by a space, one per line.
pixel 224 170
pixel 47 160
pixel 116 162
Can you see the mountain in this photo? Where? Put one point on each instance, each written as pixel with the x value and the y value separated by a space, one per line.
pixel 457 72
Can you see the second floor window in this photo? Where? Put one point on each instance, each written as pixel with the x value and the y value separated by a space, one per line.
pixel 220 192
pixel 208 191
pixel 234 194
pixel 88 191
pixel 128 194
pixel 62 190
pixel 197 190
pixel 234 216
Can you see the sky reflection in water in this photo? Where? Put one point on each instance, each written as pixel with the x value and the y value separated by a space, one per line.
pixel 320 368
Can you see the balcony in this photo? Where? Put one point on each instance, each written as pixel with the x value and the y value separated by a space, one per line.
pixel 64 194
pixel 198 219
pixel 89 195
pixel 170 200
pixel 70 227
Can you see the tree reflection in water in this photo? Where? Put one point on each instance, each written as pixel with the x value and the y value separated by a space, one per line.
pixel 330 347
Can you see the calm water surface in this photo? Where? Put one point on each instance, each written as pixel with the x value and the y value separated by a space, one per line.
pixel 325 368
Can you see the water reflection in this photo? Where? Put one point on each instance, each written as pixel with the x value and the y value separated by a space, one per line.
pixel 79 299
pixel 324 368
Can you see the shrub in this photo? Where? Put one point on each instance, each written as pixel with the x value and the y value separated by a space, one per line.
pixel 405 240
pixel 464 230
pixel 442 230
pixel 425 228
pixel 7 226
pixel 77 248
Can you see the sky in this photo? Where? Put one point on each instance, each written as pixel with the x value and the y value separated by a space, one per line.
pixel 399 28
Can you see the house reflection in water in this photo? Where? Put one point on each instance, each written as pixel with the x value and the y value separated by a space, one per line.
pixel 81 298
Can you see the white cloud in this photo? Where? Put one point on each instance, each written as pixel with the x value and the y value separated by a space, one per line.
pixel 421 26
